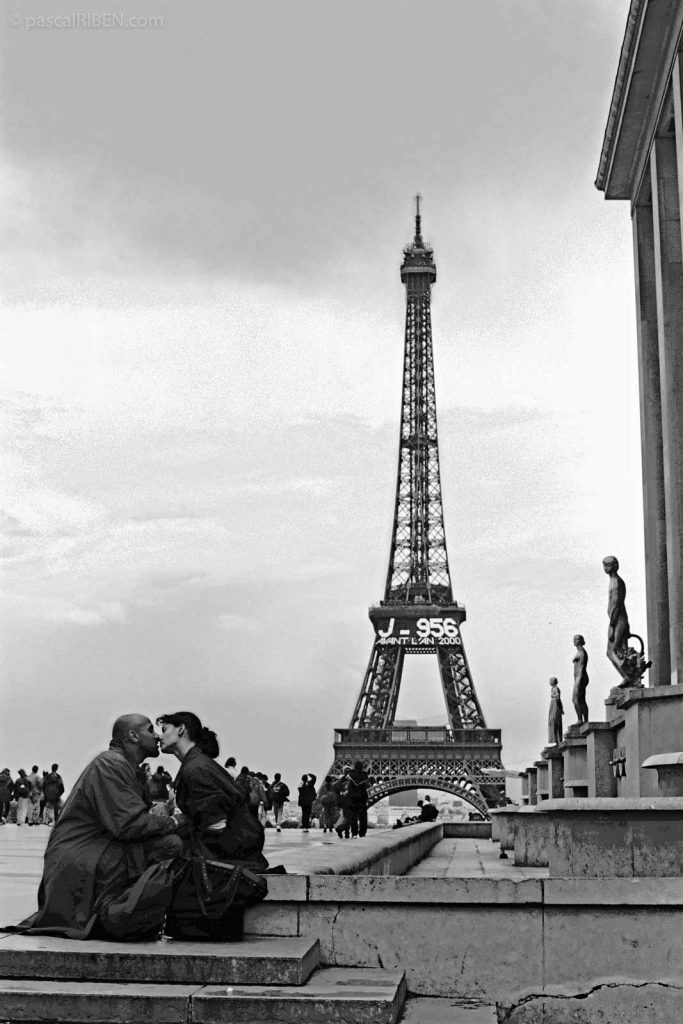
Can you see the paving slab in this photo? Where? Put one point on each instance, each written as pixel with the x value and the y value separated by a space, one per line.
pixel 471 858
pixel 88 1002
pixel 255 961
pixel 332 996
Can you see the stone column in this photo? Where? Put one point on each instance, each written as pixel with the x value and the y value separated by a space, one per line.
pixel 654 515
pixel 668 243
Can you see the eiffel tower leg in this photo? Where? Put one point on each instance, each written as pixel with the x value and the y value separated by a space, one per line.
pixel 376 704
pixel 464 711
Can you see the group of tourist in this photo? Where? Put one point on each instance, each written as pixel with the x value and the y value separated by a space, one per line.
pixel 340 804
pixel 37 795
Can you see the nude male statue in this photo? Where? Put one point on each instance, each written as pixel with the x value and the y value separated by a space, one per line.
pixel 580 660
pixel 619 630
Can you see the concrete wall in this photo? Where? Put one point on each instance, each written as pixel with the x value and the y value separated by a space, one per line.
pixel 467 829
pixel 521 944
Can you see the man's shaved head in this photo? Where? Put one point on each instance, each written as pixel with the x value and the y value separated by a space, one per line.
pixel 124 723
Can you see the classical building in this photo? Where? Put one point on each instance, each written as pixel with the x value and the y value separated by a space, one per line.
pixel 642 162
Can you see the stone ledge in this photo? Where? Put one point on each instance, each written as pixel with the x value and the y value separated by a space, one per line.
pixel 89 1002
pixel 613 892
pixel 587 806
pixel 393 891
pixel 400 889
pixel 257 961
pixel 344 995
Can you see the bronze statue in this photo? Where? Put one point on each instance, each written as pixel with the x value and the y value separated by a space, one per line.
pixel 629 663
pixel 555 713
pixel 580 660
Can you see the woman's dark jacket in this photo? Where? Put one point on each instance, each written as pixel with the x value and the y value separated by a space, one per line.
pixel 206 794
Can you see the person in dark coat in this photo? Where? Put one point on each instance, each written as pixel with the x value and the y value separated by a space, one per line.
pixel 306 798
pixel 104 839
pixel 343 828
pixel 329 804
pixel 359 782
pixel 216 809
pixel 53 790
pixel 428 812
pixel 6 794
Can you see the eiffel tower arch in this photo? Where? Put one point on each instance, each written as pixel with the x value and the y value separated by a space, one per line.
pixel 418 615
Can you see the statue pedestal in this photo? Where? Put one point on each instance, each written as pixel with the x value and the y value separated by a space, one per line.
pixel 574 750
pixel 643 722
pixel 529 787
pixel 554 773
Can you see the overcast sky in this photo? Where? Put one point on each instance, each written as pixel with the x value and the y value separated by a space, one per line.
pixel 203 340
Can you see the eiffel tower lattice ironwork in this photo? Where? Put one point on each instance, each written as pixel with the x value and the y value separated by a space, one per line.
pixel 418 614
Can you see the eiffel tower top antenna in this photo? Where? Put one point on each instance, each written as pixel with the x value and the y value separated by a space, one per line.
pixel 418 221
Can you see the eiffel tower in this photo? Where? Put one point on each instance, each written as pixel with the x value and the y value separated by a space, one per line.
pixel 418 614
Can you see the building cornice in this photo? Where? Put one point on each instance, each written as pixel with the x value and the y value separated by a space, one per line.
pixel 651 41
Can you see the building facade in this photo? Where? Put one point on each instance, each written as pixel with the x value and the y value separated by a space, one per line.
pixel 642 162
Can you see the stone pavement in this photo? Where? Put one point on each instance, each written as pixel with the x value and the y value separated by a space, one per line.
pixel 21 860
pixel 471 858
pixel 22 847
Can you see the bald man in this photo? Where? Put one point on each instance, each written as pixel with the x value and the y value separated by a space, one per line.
pixel 105 837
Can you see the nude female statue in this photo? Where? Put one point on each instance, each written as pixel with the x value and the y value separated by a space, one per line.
pixel 580 660
pixel 555 713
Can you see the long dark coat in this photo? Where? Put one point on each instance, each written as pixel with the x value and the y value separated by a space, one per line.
pixel 95 848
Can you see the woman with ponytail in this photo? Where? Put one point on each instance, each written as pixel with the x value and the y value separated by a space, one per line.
pixel 215 809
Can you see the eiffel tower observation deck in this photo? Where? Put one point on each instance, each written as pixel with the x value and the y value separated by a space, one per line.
pixel 419 614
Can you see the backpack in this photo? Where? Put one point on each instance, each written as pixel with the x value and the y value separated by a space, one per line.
pixel 257 793
pixel 53 788
pixel 139 911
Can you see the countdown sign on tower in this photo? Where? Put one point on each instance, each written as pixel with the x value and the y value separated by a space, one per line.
pixel 417 630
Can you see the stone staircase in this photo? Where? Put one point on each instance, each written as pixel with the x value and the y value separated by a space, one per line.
pixel 49 979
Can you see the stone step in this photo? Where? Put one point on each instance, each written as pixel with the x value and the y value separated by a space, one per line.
pixel 257 961
pixel 332 995
pixel 440 1010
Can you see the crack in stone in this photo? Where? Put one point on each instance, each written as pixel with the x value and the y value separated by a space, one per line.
pixel 332 924
pixel 505 1012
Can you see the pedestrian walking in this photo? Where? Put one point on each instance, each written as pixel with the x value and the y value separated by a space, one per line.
pixel 279 795
pixel 35 781
pixel 306 798
pixel 343 828
pixel 53 788
pixel 22 795
pixel 359 782
pixel 6 794
pixel 329 804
